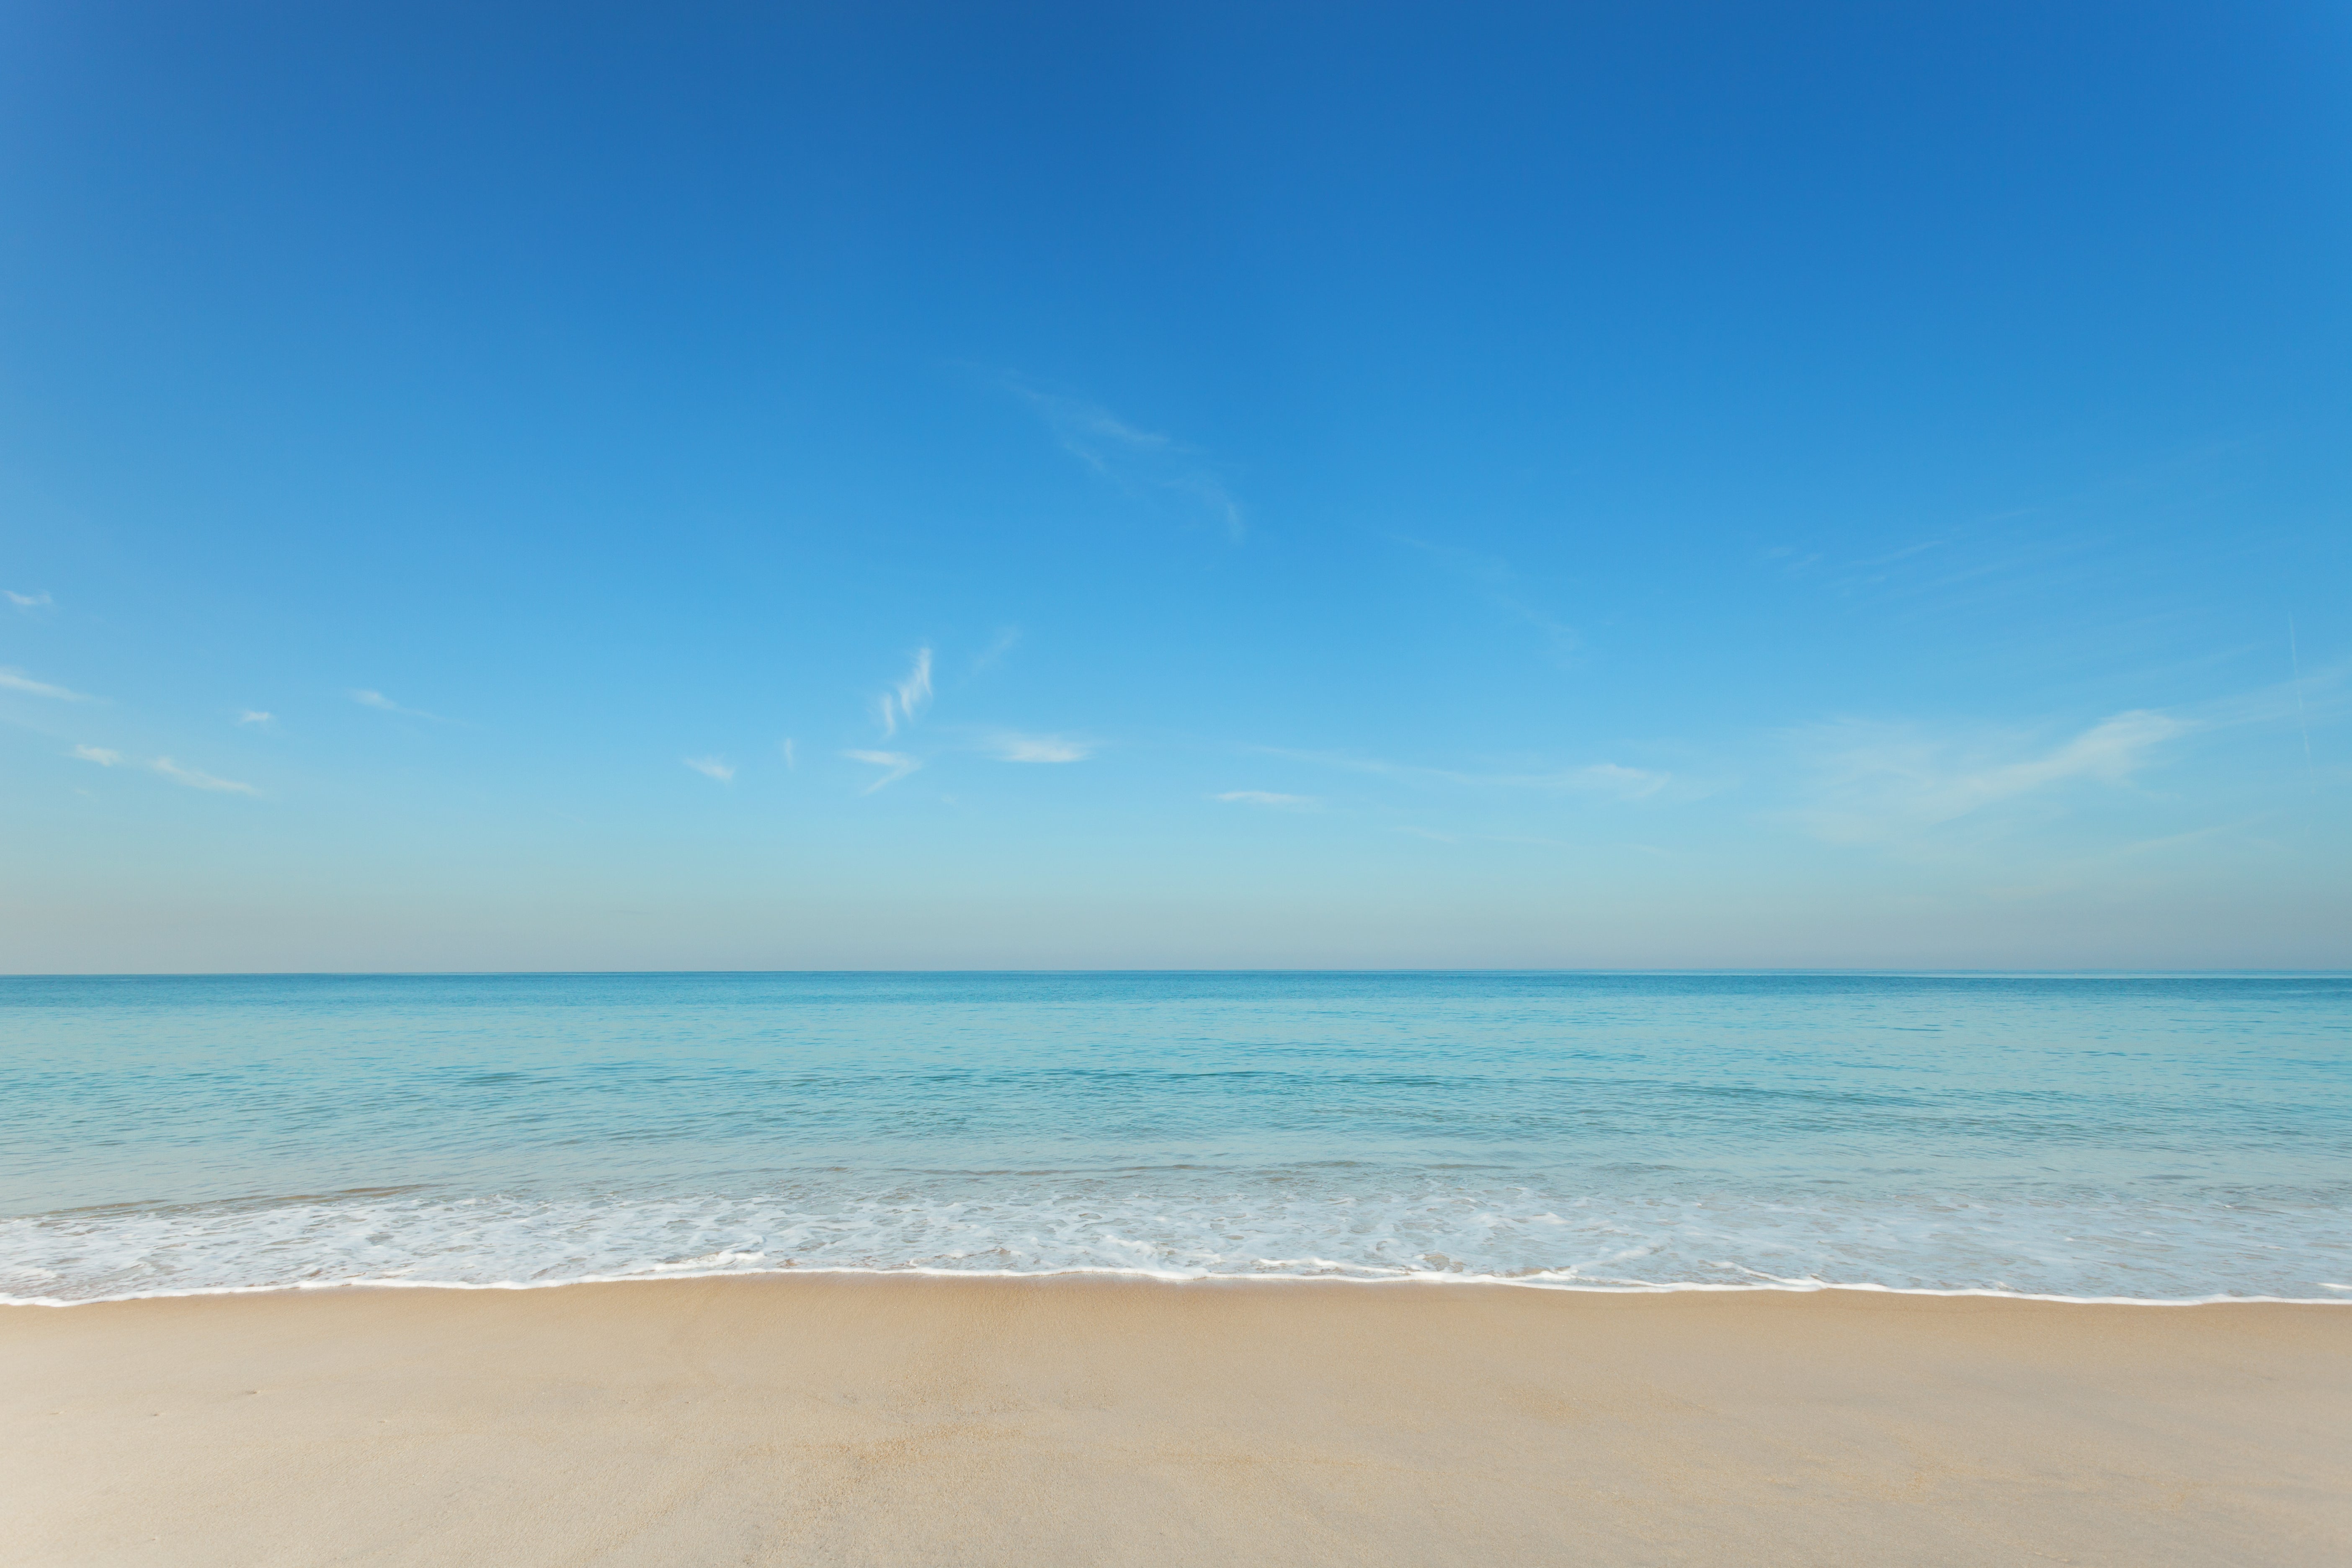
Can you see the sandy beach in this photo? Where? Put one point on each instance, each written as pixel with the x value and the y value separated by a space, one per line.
pixel 912 1420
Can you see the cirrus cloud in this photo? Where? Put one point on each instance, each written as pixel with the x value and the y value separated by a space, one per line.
pixel 1881 782
pixel 898 765
pixel 1119 452
pixel 904 701
pixel 15 680
pixel 194 778
pixel 1007 747
pixel 367 698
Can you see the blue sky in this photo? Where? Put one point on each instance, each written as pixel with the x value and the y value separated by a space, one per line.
pixel 496 487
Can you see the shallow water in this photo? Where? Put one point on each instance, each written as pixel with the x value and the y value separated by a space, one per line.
pixel 2156 1138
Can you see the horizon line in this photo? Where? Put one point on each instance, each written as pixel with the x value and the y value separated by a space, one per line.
pixel 1791 971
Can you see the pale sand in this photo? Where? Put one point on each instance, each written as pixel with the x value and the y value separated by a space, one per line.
pixel 909 1421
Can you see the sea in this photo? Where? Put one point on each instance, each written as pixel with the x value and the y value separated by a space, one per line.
pixel 2149 1138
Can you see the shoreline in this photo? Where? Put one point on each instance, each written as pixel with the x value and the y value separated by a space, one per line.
pixel 791 1417
pixel 1160 1276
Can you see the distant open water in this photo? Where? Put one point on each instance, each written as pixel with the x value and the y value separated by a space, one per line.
pixel 2149 1138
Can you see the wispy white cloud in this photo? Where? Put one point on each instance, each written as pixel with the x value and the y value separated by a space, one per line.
pixel 897 765
pixel 1605 778
pixel 1878 782
pixel 194 778
pixel 26 601
pixel 382 704
pixel 915 690
pixel 791 759
pixel 2320 696
pixel 1006 746
pixel 1615 779
pixel 13 679
pixel 1502 585
pixel 2061 550
pixel 1121 453
pixel 717 768
pixel 1891 569
pixel 1269 798
pixel 904 703
pixel 998 647
pixel 256 716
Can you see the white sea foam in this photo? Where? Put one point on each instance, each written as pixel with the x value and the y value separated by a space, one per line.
pixel 1416 1229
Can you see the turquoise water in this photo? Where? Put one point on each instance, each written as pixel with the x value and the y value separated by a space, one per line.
pixel 2158 1138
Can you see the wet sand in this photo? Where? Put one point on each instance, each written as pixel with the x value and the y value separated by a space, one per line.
pixel 912 1421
